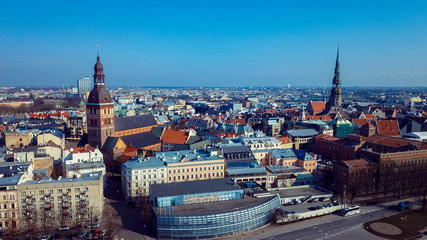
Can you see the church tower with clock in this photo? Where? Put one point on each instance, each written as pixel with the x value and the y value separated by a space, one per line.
pixel 99 110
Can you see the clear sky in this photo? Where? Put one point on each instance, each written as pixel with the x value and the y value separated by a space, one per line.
pixel 214 43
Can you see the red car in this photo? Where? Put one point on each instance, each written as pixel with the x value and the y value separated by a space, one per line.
pixel 97 233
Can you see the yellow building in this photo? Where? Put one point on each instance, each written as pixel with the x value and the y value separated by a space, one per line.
pixel 60 202
pixel 192 165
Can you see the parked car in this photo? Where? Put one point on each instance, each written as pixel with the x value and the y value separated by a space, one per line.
pixel 336 203
pixel 293 212
pixel 83 234
pixel 97 233
pixel 63 228
pixel 45 237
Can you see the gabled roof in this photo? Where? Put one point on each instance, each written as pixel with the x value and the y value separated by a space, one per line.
pixel 174 137
pixel 318 106
pixel 158 131
pixel 140 140
pixel 132 122
pixel 388 128
pixel 110 143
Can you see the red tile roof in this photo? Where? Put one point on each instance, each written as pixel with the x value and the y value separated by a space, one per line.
pixel 357 163
pixel 284 139
pixel 395 142
pixel 174 137
pixel 360 121
pixel 319 117
pixel 328 138
pixel 86 148
pixel 388 128
pixel 318 106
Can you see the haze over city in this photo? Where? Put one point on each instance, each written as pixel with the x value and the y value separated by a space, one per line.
pixel 214 44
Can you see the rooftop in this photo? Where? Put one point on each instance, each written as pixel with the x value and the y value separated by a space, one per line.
pixel 302 133
pixel 305 190
pixel 245 170
pixel 132 122
pixel 144 163
pixel 94 176
pixel 215 208
pixel 187 155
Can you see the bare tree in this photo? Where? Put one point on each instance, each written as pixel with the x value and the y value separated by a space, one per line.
pixel 10 225
pixel 144 207
pixel 111 228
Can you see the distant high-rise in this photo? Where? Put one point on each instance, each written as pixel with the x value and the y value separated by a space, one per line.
pixel 333 106
pixel 83 85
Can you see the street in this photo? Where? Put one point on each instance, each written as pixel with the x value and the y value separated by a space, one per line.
pixel 331 226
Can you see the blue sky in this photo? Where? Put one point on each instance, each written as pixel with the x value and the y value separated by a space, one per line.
pixel 214 43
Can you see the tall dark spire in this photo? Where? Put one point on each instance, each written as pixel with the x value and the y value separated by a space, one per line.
pixel 333 106
pixel 337 77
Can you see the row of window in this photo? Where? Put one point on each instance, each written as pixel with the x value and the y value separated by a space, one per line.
pixel 5 215
pixel 11 197
pixel 197 169
pixel 6 205
pixel 206 175
pixel 50 191
pixel 104 111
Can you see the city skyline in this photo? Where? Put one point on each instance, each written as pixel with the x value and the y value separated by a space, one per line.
pixel 192 44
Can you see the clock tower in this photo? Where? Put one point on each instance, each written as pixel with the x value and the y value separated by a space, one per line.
pixel 99 110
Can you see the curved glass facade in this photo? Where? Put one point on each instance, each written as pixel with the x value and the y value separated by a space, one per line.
pixel 214 225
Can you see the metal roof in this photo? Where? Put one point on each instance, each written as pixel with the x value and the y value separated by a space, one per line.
pixel 193 187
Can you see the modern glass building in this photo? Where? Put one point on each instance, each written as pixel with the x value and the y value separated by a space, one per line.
pixel 183 193
pixel 207 208
pixel 206 220
pixel 83 85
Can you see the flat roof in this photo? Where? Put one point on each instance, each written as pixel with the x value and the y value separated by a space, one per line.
pixel 298 191
pixel 246 170
pixel 94 176
pixel 193 187
pixel 215 207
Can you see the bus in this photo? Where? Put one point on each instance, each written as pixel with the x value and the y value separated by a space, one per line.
pixel 354 209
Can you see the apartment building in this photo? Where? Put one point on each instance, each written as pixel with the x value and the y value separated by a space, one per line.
pixel 193 165
pixel 60 202
pixel 139 173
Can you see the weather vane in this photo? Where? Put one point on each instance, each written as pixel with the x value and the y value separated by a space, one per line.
pixel 97 45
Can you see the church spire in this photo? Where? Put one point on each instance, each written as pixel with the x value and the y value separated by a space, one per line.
pixel 98 77
pixel 337 77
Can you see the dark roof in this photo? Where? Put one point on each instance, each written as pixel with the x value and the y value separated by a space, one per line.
pixel 132 122
pixel 236 149
pixel 99 94
pixel 157 131
pixel 237 153
pixel 192 187
pixel 110 143
pixel 140 140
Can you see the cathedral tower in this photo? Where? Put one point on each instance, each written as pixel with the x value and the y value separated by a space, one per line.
pixel 99 109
